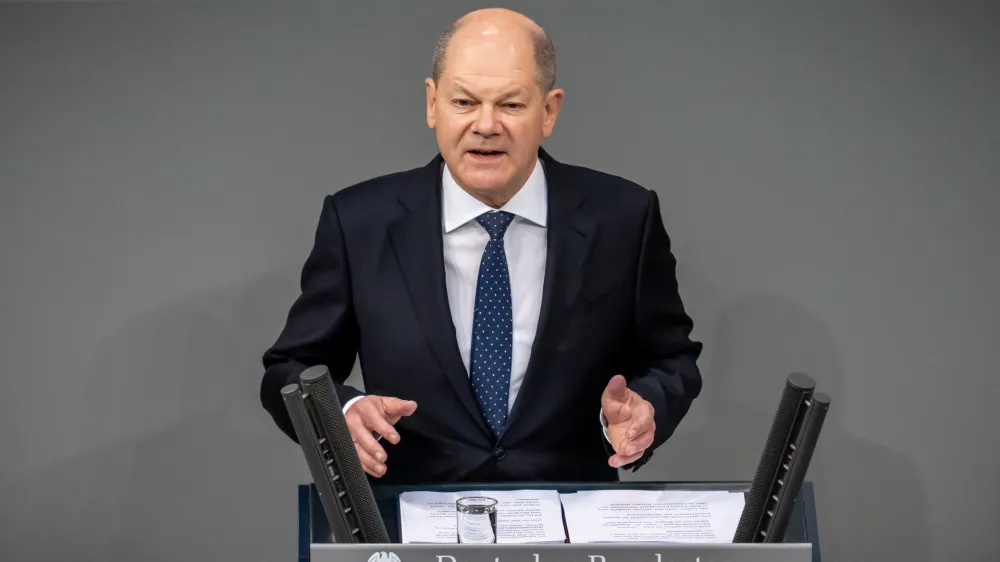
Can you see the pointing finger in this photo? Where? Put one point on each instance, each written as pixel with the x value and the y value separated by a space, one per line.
pixel 395 408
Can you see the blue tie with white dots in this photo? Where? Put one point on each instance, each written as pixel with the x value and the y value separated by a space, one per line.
pixel 492 325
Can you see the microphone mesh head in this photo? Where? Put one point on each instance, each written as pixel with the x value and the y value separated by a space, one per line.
pixel 798 387
pixel 317 382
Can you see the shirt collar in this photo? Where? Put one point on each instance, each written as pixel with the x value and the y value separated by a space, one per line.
pixel 530 202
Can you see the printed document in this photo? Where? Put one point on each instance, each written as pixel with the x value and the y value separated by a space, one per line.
pixel 652 516
pixel 523 516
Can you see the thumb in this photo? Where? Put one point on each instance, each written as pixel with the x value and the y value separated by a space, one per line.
pixel 396 408
pixel 616 392
pixel 614 400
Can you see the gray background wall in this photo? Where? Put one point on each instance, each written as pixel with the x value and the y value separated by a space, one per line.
pixel 829 175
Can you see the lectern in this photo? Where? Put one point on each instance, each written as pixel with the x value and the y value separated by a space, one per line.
pixel 344 518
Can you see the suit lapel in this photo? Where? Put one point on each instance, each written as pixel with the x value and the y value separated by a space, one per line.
pixel 416 236
pixel 569 236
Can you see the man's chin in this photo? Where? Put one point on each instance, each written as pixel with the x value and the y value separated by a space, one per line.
pixel 484 180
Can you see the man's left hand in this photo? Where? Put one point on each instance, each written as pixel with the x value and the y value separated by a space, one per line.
pixel 630 422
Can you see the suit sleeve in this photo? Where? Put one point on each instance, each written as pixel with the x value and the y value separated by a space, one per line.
pixel 665 371
pixel 321 328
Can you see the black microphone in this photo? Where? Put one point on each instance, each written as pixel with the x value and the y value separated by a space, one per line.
pixel 340 480
pixel 783 463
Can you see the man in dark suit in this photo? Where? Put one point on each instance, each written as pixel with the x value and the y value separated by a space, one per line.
pixel 516 318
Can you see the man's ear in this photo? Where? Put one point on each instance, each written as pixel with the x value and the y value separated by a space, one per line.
pixel 553 103
pixel 431 98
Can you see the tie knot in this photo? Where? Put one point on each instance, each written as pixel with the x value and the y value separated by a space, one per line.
pixel 496 223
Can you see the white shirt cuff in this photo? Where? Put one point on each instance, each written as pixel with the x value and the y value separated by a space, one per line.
pixel 604 426
pixel 352 401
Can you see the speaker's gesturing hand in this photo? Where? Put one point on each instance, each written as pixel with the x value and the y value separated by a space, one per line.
pixel 371 416
pixel 630 422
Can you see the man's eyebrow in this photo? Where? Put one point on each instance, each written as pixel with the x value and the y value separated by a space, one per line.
pixel 514 91
pixel 508 93
pixel 463 90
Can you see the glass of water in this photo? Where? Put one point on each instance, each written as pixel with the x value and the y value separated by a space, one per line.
pixel 477 520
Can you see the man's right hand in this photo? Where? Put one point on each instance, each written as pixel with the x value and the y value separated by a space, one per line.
pixel 373 415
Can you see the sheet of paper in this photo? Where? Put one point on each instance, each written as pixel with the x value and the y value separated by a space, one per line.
pixel 523 516
pixel 652 516
pixel 428 517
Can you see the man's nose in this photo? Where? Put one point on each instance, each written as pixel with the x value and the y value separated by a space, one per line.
pixel 486 123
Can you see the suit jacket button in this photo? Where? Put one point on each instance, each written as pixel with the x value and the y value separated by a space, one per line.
pixel 499 453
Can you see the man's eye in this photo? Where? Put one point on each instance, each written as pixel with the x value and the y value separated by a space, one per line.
pixel 463 103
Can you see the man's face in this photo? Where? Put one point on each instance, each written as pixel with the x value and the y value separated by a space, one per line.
pixel 489 114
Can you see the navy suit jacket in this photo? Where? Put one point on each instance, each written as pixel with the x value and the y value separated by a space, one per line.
pixel 373 287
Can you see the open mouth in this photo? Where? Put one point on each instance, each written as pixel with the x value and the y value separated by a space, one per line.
pixel 486 152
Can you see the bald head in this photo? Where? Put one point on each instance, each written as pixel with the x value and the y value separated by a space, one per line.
pixel 493 24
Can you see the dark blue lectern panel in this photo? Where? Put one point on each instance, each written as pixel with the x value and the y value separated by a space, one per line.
pixel 802 527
